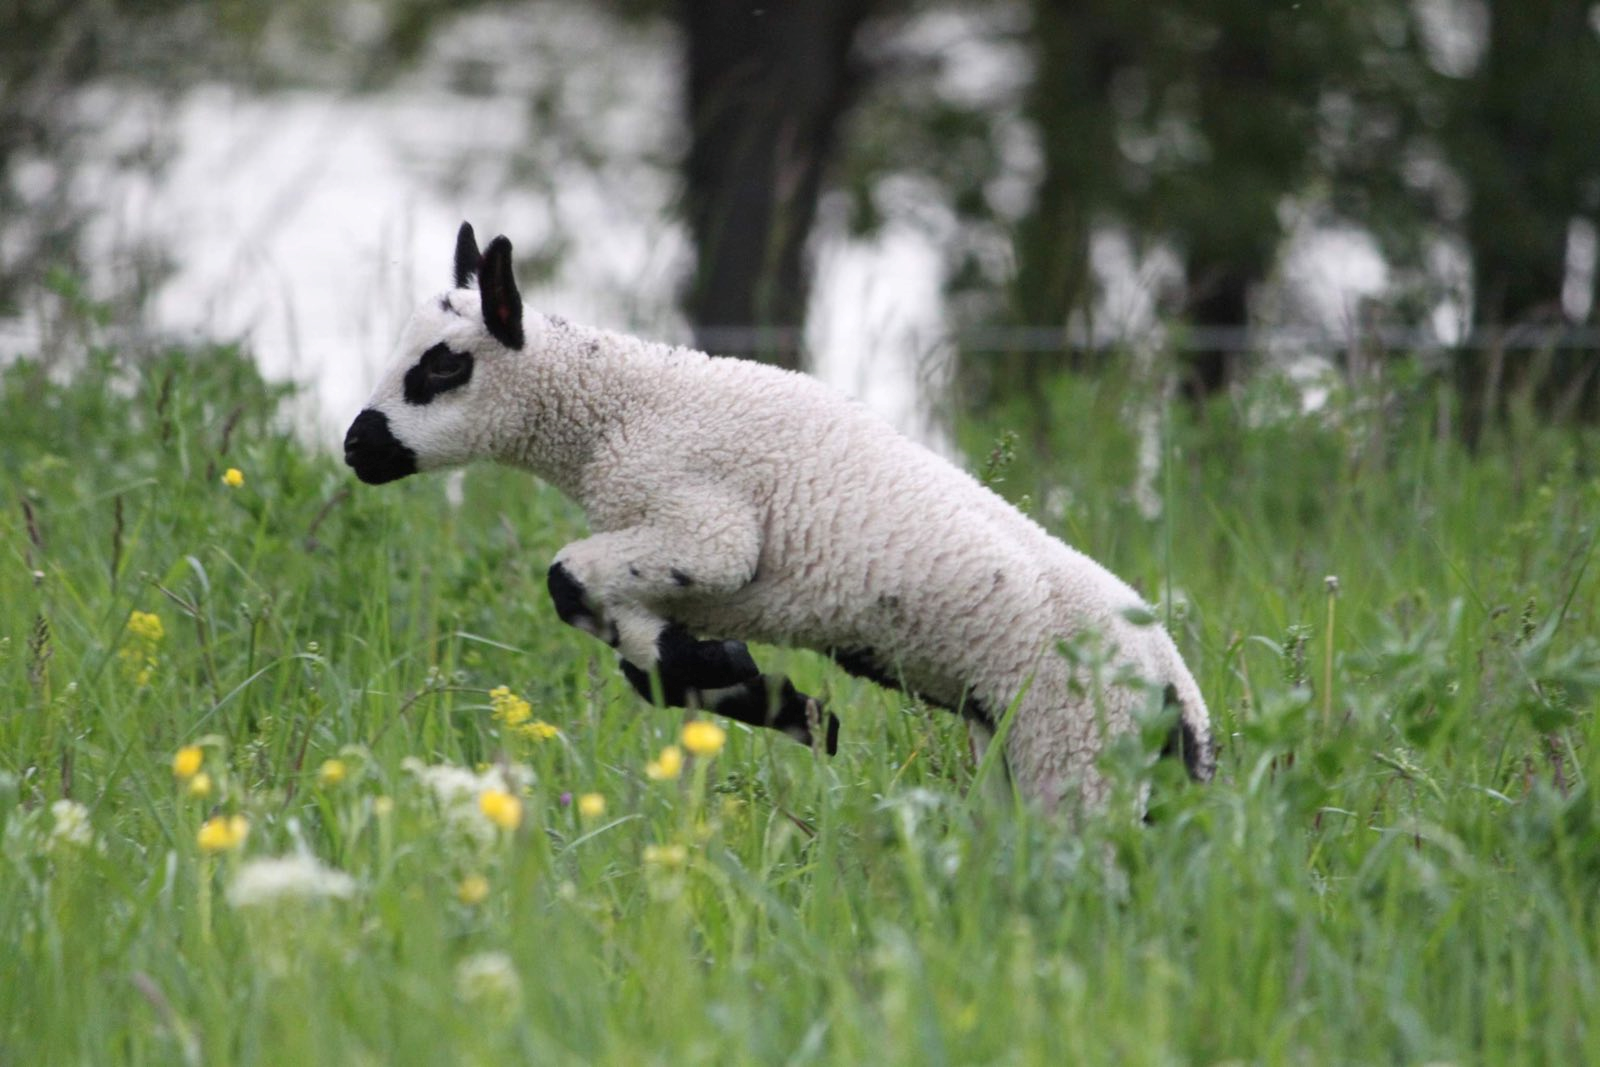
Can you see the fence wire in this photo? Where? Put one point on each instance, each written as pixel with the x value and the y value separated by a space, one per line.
pixel 1238 340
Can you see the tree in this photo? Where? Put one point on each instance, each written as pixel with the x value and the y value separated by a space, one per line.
pixel 769 85
pixel 1521 133
pixel 1187 122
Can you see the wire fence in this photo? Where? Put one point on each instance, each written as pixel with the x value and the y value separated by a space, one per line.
pixel 996 340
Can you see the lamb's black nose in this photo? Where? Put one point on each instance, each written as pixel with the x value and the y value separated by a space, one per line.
pixel 373 452
pixel 355 436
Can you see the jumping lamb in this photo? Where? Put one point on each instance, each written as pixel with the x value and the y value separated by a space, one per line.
pixel 732 502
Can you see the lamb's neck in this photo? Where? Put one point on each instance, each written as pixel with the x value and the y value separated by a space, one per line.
pixel 579 386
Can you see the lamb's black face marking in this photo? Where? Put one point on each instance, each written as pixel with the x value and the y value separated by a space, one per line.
pixel 680 579
pixel 440 370
pixel 374 453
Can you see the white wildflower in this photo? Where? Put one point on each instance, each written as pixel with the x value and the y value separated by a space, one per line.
pixel 71 825
pixel 488 981
pixel 457 790
pixel 298 877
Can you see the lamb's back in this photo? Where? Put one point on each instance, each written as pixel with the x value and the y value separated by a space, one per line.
pixel 870 538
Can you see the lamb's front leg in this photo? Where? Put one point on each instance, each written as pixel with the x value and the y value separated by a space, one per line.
pixel 619 586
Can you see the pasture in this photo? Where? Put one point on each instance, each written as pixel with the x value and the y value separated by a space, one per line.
pixel 487 858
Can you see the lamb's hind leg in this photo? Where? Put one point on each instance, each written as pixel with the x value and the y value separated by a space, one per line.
pixel 722 676
pixel 606 585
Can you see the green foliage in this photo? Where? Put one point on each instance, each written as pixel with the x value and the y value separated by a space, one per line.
pixel 1411 878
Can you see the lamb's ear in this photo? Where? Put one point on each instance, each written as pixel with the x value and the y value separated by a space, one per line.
pixel 502 304
pixel 467 257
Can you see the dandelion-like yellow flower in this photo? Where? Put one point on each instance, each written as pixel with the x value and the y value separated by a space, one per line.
pixel 666 766
pixel 508 708
pixel 704 738
pixel 233 477
pixel 186 764
pixel 146 626
pixel 501 808
pixel 592 805
pixel 223 833
pixel 666 856
pixel 538 730
pixel 200 785
pixel 332 772
pixel 473 890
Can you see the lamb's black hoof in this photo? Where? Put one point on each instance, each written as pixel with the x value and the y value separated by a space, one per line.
pixel 831 744
pixel 801 717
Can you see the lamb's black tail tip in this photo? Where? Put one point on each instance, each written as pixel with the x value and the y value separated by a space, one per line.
pixel 1199 755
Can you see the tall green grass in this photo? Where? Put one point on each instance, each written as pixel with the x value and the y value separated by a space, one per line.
pixel 1397 866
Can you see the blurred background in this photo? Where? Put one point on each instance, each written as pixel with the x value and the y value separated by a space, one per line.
pixel 939 206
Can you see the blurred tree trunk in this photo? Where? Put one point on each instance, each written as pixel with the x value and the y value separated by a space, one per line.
pixel 1524 137
pixel 1250 111
pixel 1219 309
pixel 769 84
pixel 1079 47
pixel 1215 98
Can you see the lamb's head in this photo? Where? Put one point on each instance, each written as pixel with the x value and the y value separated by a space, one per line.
pixel 442 401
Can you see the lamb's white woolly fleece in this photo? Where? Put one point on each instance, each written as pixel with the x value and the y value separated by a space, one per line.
pixel 803 520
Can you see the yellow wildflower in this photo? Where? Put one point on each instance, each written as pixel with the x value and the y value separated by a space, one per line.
pixel 223 833
pixel 138 654
pixel 233 477
pixel 186 764
pixel 666 766
pixel 383 806
pixel 666 855
pixel 331 773
pixel 592 805
pixel 501 808
pixel 538 730
pixel 146 626
pixel 508 708
pixel 704 738
pixel 473 890
pixel 200 785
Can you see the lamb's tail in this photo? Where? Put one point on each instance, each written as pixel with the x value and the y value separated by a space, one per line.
pixel 1191 738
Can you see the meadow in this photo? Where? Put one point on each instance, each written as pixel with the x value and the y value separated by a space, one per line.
pixel 296 770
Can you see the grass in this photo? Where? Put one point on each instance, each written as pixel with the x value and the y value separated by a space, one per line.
pixel 1398 864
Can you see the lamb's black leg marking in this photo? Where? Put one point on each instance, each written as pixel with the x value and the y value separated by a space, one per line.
pixel 771 700
pixel 867 664
pixel 722 677
pixel 688 667
pixel 1198 758
pixel 572 606
pixel 863 663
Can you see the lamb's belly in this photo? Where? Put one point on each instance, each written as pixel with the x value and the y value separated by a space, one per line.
pixel 939 635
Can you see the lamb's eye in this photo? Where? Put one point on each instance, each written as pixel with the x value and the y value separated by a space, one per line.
pixel 438 371
pixel 447 366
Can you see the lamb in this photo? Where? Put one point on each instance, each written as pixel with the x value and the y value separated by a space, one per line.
pixel 732 502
